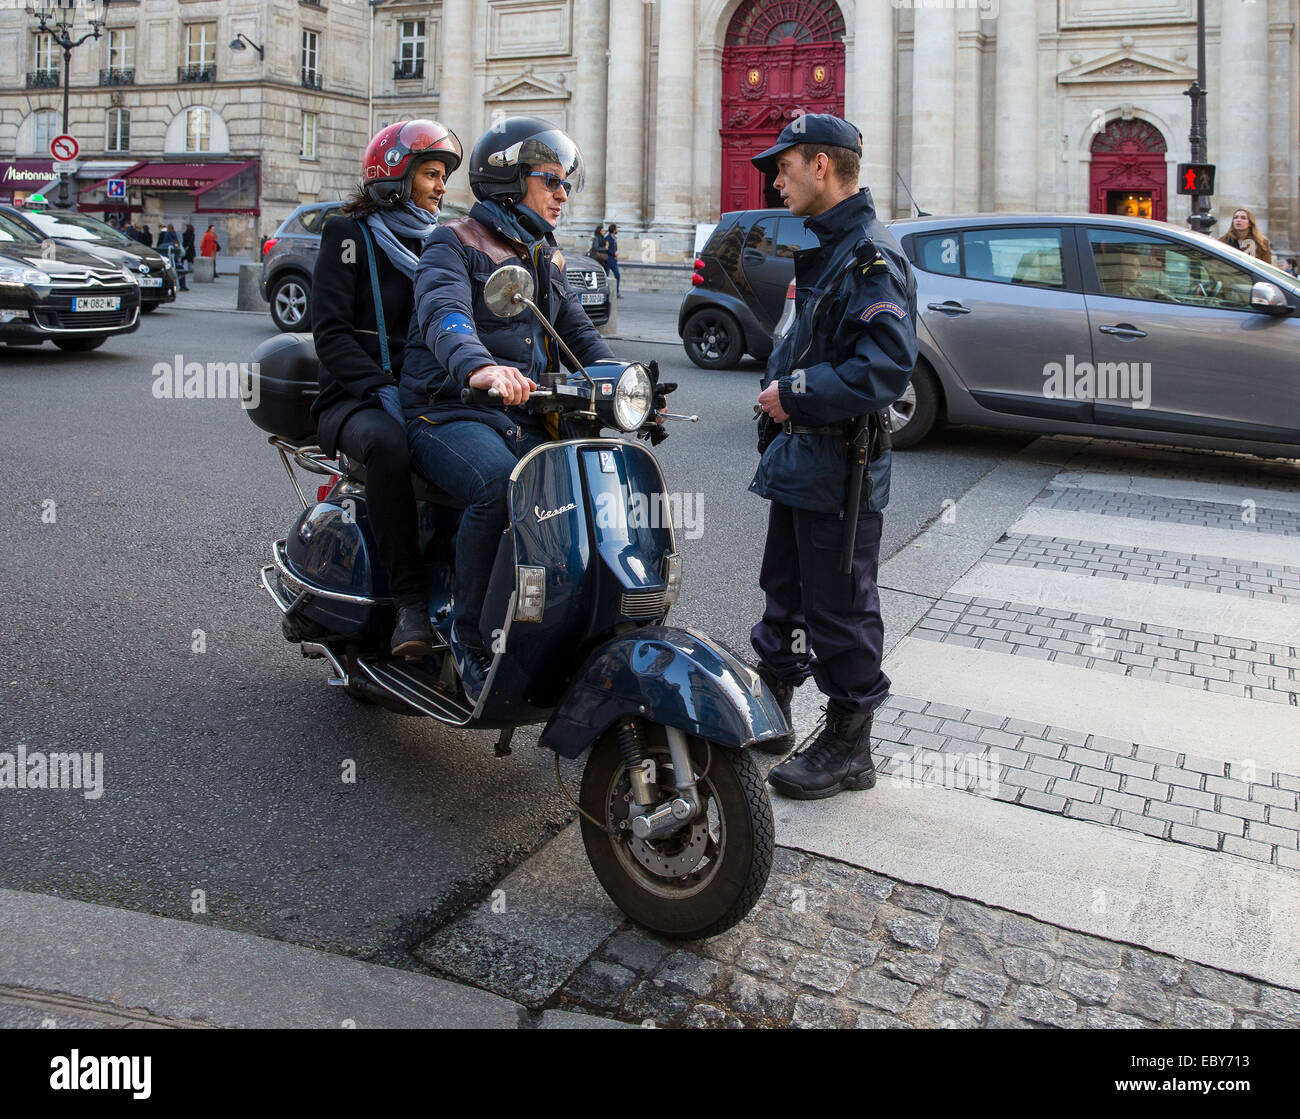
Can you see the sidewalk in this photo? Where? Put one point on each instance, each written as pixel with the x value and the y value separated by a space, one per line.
pixel 1100 833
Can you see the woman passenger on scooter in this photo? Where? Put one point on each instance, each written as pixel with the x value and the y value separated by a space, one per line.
pixel 364 276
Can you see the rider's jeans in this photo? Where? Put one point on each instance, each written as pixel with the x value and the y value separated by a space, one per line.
pixel 472 461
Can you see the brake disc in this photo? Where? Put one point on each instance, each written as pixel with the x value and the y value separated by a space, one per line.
pixel 690 847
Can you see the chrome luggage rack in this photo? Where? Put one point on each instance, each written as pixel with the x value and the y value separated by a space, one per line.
pixel 309 458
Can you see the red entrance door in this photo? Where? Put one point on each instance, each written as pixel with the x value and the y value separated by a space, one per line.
pixel 1128 175
pixel 781 60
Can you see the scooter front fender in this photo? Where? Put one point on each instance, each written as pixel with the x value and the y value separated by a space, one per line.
pixel 664 675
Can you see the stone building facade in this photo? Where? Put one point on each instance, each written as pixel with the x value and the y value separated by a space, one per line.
pixel 964 105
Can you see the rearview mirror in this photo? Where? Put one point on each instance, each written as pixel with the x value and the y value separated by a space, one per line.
pixel 1269 298
pixel 507 290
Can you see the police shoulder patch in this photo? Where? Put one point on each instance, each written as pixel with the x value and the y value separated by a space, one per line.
pixel 457 323
pixel 884 307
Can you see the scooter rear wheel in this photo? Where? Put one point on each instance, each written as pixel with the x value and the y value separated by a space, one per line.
pixel 699 881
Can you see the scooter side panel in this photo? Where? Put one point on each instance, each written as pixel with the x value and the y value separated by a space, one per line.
pixel 669 676
pixel 330 547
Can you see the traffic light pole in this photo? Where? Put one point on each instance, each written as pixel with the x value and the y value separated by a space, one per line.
pixel 1200 219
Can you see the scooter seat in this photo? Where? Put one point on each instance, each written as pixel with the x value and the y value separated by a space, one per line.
pixel 424 489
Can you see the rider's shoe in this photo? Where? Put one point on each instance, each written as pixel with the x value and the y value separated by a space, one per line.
pixel 413 636
pixel 838 758
pixel 783 693
pixel 473 663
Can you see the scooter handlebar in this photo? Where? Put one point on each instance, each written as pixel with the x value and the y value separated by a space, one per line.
pixel 485 397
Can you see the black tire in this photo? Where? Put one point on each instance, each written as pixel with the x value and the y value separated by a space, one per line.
pixel 713 339
pixel 912 417
pixel 81 345
pixel 291 303
pixel 738 840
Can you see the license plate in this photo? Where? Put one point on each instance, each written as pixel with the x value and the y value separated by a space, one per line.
pixel 592 298
pixel 97 303
pixel 151 281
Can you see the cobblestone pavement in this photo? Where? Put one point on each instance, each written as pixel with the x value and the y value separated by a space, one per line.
pixel 833 946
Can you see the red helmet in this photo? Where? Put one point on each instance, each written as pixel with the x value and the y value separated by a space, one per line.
pixel 394 153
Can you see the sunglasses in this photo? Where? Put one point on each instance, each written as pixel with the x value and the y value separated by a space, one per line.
pixel 552 180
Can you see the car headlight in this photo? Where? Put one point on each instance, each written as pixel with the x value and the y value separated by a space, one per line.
pixel 131 276
pixel 632 397
pixel 23 276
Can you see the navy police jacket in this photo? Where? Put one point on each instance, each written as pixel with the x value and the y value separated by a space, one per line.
pixel 853 354
pixel 453 332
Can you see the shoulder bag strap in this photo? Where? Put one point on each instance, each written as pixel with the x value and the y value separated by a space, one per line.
pixel 379 302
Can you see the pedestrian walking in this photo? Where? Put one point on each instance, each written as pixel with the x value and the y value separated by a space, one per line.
pixel 187 248
pixel 210 246
pixel 169 243
pixel 824 438
pixel 146 236
pixel 611 264
pixel 599 248
pixel 1245 236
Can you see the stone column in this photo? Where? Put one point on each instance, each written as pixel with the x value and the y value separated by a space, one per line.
pixel 870 99
pixel 934 77
pixel 625 115
pixel 455 86
pixel 587 121
pixel 674 111
pixel 1015 125
pixel 1239 138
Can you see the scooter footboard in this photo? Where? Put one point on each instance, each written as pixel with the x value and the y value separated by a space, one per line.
pixel 669 676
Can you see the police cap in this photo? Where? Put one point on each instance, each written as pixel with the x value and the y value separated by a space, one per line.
pixel 811 128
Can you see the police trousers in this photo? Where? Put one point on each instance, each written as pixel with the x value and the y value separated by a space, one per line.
pixel 819 621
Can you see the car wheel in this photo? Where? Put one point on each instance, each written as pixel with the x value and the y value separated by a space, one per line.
pixel 290 304
pixel 913 415
pixel 713 339
pixel 81 345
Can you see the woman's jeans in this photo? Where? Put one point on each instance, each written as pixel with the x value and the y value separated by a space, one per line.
pixel 472 461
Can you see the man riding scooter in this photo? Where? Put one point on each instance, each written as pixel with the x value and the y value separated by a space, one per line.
pixel 522 171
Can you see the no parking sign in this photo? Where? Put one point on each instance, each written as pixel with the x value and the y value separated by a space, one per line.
pixel 117 188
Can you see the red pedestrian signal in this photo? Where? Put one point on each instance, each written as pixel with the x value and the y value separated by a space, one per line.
pixel 1196 178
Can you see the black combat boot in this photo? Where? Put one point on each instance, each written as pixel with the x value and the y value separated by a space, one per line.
pixel 838 758
pixel 413 637
pixel 783 693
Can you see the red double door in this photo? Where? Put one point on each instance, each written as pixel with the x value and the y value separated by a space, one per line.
pixel 763 89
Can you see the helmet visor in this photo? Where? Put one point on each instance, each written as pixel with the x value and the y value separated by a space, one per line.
pixel 429 138
pixel 554 147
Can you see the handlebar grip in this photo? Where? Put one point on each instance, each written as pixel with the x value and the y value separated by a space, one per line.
pixel 481 396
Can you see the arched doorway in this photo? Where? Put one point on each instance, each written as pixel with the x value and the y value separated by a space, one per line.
pixel 1128 175
pixel 782 58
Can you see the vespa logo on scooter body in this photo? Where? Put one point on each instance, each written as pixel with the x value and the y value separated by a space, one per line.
pixel 547 514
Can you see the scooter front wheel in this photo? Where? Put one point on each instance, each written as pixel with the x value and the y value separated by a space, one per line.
pixel 699 880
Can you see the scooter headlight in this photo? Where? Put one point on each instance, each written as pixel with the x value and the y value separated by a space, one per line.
pixel 633 397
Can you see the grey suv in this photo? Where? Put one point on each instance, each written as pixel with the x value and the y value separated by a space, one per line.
pixel 290 258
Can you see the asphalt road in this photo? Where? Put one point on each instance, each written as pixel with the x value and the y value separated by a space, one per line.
pixel 223 767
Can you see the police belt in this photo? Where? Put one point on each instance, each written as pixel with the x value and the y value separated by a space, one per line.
pixel 792 428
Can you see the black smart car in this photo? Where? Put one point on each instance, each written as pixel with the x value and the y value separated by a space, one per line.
pixel 739 287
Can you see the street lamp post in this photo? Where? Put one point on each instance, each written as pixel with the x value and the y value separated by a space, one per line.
pixel 56 18
pixel 1200 219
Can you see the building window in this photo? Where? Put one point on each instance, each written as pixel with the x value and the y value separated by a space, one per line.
pixel 200 53
pixel 311 59
pixel 118 137
pixel 45 126
pixel 410 50
pixel 121 58
pixel 46 59
pixel 198 129
pixel 309 135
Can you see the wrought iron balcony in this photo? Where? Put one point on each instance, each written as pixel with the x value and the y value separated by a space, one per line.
pixel 197 72
pixel 311 79
pixel 117 75
pixel 43 79
pixel 407 70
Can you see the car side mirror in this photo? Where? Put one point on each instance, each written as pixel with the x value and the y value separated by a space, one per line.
pixel 508 291
pixel 1270 299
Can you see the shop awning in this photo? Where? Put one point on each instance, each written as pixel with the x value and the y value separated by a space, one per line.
pixel 193 178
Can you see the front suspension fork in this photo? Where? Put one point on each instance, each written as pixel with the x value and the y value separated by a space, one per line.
pixel 672 814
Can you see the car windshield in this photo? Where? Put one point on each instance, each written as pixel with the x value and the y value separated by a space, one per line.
pixel 73 227
pixel 1275 274
pixel 11 230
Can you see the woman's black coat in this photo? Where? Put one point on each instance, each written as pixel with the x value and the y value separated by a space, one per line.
pixel 345 326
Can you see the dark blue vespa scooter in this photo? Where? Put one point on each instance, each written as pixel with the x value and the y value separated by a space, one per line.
pixel 675 815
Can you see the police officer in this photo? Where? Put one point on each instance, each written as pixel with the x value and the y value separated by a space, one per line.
pixel 825 457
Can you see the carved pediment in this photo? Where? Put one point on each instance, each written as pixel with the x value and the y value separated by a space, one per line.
pixel 528 87
pixel 1127 66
